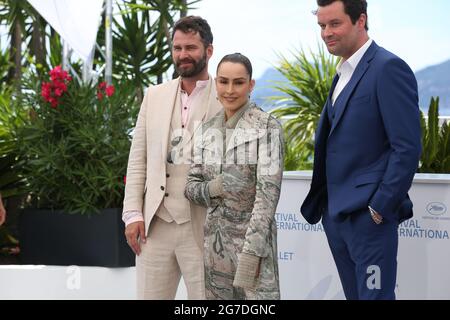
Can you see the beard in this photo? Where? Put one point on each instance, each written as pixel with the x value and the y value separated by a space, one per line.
pixel 197 67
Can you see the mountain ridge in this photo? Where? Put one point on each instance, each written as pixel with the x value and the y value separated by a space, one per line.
pixel 433 81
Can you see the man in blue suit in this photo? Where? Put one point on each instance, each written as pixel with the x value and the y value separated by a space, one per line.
pixel 367 149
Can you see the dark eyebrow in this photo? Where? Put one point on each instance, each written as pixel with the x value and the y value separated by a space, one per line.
pixel 332 21
pixel 235 79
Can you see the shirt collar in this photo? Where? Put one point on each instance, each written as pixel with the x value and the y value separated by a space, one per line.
pixel 353 61
pixel 200 84
pixel 232 122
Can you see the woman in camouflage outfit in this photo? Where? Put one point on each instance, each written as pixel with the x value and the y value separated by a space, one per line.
pixel 237 175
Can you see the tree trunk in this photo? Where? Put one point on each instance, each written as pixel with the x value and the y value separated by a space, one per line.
pixel 38 43
pixel 15 72
pixel 183 12
pixel 169 40
pixel 139 94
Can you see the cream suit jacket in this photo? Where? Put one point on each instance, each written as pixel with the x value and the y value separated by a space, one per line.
pixel 146 172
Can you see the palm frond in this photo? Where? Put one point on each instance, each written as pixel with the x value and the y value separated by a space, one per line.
pixel 309 78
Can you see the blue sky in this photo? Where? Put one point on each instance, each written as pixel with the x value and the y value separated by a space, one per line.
pixel 416 30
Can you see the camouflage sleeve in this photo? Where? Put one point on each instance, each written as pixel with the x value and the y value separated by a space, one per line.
pixel 268 184
pixel 196 189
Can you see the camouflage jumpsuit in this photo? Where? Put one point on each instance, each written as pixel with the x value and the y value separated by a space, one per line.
pixel 242 219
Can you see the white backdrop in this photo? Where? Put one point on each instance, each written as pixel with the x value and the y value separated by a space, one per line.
pixel 307 269
pixel 76 21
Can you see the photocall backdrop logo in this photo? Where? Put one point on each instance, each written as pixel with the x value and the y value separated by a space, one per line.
pixel 436 208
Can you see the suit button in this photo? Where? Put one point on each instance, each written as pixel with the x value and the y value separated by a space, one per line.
pixel 167 175
pixel 166 195
pixel 162 188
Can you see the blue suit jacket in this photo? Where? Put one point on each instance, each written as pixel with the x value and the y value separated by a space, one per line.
pixel 369 154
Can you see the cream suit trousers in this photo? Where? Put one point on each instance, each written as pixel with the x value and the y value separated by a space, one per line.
pixel 170 251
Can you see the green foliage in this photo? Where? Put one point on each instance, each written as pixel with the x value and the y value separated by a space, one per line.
pixel 134 36
pixel 309 82
pixel 75 155
pixel 11 184
pixel 10 181
pixel 15 11
pixel 4 67
pixel 54 56
pixel 435 156
pixel 142 40
pixel 297 158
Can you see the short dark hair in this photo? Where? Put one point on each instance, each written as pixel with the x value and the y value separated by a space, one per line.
pixel 195 24
pixel 353 8
pixel 238 58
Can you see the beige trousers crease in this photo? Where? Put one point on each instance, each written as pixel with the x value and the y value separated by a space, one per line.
pixel 169 253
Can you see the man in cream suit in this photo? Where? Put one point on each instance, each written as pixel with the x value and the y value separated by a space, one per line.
pixel 163 228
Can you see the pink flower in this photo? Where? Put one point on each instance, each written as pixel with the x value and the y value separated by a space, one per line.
pixel 52 91
pixel 58 92
pixel 53 102
pixel 46 90
pixel 103 89
pixel 58 73
pixel 110 91
pixel 102 85
pixel 55 73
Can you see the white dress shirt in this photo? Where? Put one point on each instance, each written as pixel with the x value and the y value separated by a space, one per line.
pixel 346 68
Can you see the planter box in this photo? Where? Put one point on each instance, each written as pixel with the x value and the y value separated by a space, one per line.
pixel 57 238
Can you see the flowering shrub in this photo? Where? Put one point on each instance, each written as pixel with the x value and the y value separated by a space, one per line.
pixel 103 89
pixel 53 91
pixel 75 142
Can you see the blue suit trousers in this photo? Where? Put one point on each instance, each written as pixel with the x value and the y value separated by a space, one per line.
pixel 365 255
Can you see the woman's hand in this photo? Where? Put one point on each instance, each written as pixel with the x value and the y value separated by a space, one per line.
pixel 247 272
pixel 216 187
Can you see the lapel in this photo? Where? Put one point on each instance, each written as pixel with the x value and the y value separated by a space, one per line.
pixel 323 120
pixel 251 126
pixel 324 115
pixel 330 94
pixel 165 119
pixel 211 129
pixel 361 68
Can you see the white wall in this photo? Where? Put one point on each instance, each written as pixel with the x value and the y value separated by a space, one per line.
pixel 70 283
pixel 307 270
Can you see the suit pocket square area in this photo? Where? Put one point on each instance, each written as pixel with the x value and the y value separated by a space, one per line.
pixel 368 178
